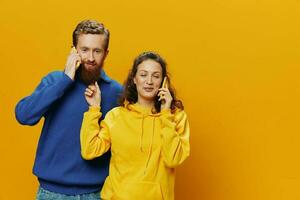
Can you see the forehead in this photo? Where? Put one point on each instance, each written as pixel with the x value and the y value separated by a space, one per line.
pixel 91 40
pixel 150 66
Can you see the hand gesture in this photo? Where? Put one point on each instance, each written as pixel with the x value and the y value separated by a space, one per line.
pixel 93 94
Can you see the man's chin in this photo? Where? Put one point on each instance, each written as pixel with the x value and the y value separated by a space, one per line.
pixel 89 76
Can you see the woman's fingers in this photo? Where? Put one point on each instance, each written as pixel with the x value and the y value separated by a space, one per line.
pixel 97 87
pixel 161 98
pixel 92 87
pixel 88 92
pixel 162 93
pixel 163 89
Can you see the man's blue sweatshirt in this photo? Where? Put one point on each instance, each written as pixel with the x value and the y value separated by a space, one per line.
pixel 58 162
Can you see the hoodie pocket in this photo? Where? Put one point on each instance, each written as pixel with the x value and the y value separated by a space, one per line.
pixel 145 190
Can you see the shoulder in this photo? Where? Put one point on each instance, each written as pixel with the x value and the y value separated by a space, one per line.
pixel 180 115
pixel 118 111
pixel 55 75
pixel 114 85
pixel 113 115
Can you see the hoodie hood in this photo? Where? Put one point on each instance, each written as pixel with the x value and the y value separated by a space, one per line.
pixel 141 110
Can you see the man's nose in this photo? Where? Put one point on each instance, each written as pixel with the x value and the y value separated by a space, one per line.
pixel 91 57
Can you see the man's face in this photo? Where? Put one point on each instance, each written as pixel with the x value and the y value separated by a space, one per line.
pixel 91 48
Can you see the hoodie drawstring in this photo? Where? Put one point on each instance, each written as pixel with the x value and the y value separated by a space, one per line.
pixel 142 135
pixel 150 149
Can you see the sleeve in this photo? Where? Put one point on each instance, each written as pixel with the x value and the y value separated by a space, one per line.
pixel 95 139
pixel 175 137
pixel 32 108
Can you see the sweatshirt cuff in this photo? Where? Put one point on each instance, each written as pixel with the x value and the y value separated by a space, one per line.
pixel 94 109
pixel 167 118
pixel 66 79
pixel 64 83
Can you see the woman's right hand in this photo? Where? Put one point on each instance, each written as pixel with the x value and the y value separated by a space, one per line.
pixel 93 94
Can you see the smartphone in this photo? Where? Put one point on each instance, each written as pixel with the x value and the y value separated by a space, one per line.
pixel 165 83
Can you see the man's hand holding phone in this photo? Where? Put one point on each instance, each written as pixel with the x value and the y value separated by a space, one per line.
pixel 73 62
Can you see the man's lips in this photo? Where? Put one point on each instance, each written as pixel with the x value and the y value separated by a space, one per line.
pixel 90 64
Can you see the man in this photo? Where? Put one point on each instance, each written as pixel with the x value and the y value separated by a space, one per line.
pixel 59 98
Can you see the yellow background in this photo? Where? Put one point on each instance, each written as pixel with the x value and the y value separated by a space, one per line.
pixel 235 64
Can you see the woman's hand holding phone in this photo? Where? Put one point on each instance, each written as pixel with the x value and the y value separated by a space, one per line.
pixel 164 95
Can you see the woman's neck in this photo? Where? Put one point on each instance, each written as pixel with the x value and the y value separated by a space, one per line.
pixel 145 103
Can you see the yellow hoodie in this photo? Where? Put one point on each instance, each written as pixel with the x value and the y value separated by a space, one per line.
pixel 145 149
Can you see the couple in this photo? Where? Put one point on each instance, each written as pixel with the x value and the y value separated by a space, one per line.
pixel 89 142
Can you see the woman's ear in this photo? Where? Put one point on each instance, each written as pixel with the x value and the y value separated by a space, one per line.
pixel 134 80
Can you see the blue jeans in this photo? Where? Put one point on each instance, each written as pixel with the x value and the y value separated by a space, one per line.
pixel 43 194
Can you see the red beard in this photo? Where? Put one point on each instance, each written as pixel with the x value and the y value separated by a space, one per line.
pixel 89 76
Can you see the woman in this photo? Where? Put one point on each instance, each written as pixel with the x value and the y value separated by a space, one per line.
pixel 148 135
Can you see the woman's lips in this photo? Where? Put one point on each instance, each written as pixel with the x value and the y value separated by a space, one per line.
pixel 148 89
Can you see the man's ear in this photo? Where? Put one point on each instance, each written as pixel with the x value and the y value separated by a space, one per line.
pixel 106 53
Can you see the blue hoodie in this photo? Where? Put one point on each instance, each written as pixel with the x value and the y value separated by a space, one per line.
pixel 58 162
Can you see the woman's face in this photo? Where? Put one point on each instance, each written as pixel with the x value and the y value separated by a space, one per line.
pixel 148 79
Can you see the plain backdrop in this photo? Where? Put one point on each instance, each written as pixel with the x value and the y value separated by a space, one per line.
pixel 234 63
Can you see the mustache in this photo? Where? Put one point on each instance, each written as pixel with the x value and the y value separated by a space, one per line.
pixel 90 63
